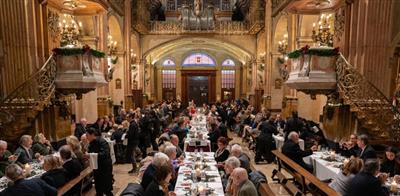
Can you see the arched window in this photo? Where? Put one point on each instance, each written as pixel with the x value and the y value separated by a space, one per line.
pixel 228 62
pixel 198 59
pixel 168 62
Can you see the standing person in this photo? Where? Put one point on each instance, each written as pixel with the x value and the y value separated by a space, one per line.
pixel 103 174
pixel 293 124
pixel 265 143
pixel 133 140
pixel 146 126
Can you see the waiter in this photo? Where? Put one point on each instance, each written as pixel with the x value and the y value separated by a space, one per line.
pixel 103 174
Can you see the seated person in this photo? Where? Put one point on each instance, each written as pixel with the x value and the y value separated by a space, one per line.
pixel 55 175
pixel 148 175
pixel 160 182
pixel 369 181
pixel 22 186
pixel 175 142
pixel 244 187
pixel 230 164
pixel 222 152
pixel 70 164
pixel 236 151
pixel 349 148
pixel 5 157
pixel 41 145
pixel 366 151
pixel 292 150
pixel 390 163
pixel 24 151
pixel 76 148
pixel 342 181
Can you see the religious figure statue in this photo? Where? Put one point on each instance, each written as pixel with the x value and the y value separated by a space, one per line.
pixel 198 5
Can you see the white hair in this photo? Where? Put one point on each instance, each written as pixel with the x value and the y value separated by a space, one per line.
pixel 3 143
pixel 236 148
pixel 160 159
pixel 169 149
pixel 233 162
pixel 292 134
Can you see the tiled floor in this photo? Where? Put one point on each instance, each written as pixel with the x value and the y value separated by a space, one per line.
pixel 122 178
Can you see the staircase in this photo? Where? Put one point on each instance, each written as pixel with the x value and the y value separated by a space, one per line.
pixel 373 109
pixel 19 109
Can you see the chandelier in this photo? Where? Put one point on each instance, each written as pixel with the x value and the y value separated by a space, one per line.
pixel 323 35
pixel 69 31
pixel 283 45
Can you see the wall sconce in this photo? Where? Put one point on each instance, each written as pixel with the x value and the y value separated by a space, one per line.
pixel 283 45
pixel 133 60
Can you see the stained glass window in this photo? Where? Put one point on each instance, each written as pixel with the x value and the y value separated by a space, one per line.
pixel 168 62
pixel 228 62
pixel 198 59
pixel 228 78
pixel 168 78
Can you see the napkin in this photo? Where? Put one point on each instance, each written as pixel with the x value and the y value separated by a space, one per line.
pixel 93 160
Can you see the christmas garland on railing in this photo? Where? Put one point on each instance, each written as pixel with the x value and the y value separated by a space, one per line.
pixel 313 51
pixel 76 51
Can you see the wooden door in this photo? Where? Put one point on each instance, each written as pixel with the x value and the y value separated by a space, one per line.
pixel 188 77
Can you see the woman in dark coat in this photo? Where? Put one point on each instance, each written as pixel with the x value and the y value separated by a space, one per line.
pixel 222 153
pixel 390 163
pixel 160 183
pixel 56 175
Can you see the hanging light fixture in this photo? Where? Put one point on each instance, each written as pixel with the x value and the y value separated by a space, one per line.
pixel 69 31
pixel 283 45
pixel 323 34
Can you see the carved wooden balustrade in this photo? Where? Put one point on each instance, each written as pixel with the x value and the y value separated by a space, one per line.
pixel 374 110
pixel 22 105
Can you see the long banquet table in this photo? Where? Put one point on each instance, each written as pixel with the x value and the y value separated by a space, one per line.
pixel 210 180
pixel 324 169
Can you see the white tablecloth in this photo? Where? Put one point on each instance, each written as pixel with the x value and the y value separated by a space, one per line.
pixel 182 184
pixel 280 140
pixel 111 143
pixel 323 170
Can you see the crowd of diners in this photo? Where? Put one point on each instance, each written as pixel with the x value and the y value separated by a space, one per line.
pixel 151 139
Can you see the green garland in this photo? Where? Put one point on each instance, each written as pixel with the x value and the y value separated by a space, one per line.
pixel 77 51
pixel 313 51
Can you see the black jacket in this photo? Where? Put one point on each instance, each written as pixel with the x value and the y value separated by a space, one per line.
pixel 153 190
pixel 79 131
pixel 293 151
pixel 148 176
pixel 368 153
pixel 366 184
pixel 73 168
pixel 55 177
pixel 221 156
pixel 293 124
pixel 34 186
pixel 391 167
pixel 24 156
pixel 101 147
pixel 133 134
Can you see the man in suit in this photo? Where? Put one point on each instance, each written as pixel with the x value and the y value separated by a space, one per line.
pixel 5 157
pixel 175 142
pixel 244 187
pixel 80 128
pixel 265 143
pixel 293 124
pixel 292 150
pixel 70 164
pixel 133 140
pixel 24 151
pixel 366 182
pixel 103 174
pixel 22 186
pixel 366 151
pixel 236 151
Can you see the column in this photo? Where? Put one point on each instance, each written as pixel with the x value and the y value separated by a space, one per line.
pixel 268 61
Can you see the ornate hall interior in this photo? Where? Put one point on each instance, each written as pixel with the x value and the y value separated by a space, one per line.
pixel 333 63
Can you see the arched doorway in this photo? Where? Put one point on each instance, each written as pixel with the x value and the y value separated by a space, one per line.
pixel 203 69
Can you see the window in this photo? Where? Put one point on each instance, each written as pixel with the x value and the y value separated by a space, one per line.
pixel 168 78
pixel 198 59
pixel 225 5
pixel 228 62
pixel 228 79
pixel 168 62
pixel 171 5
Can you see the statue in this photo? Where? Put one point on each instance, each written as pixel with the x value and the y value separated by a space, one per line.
pixel 198 5
pixel 241 10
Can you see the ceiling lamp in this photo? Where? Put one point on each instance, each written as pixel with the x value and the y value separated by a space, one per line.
pixel 73 4
pixel 323 34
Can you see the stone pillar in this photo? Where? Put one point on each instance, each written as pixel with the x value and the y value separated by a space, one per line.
pixel 268 62
pixel 127 48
